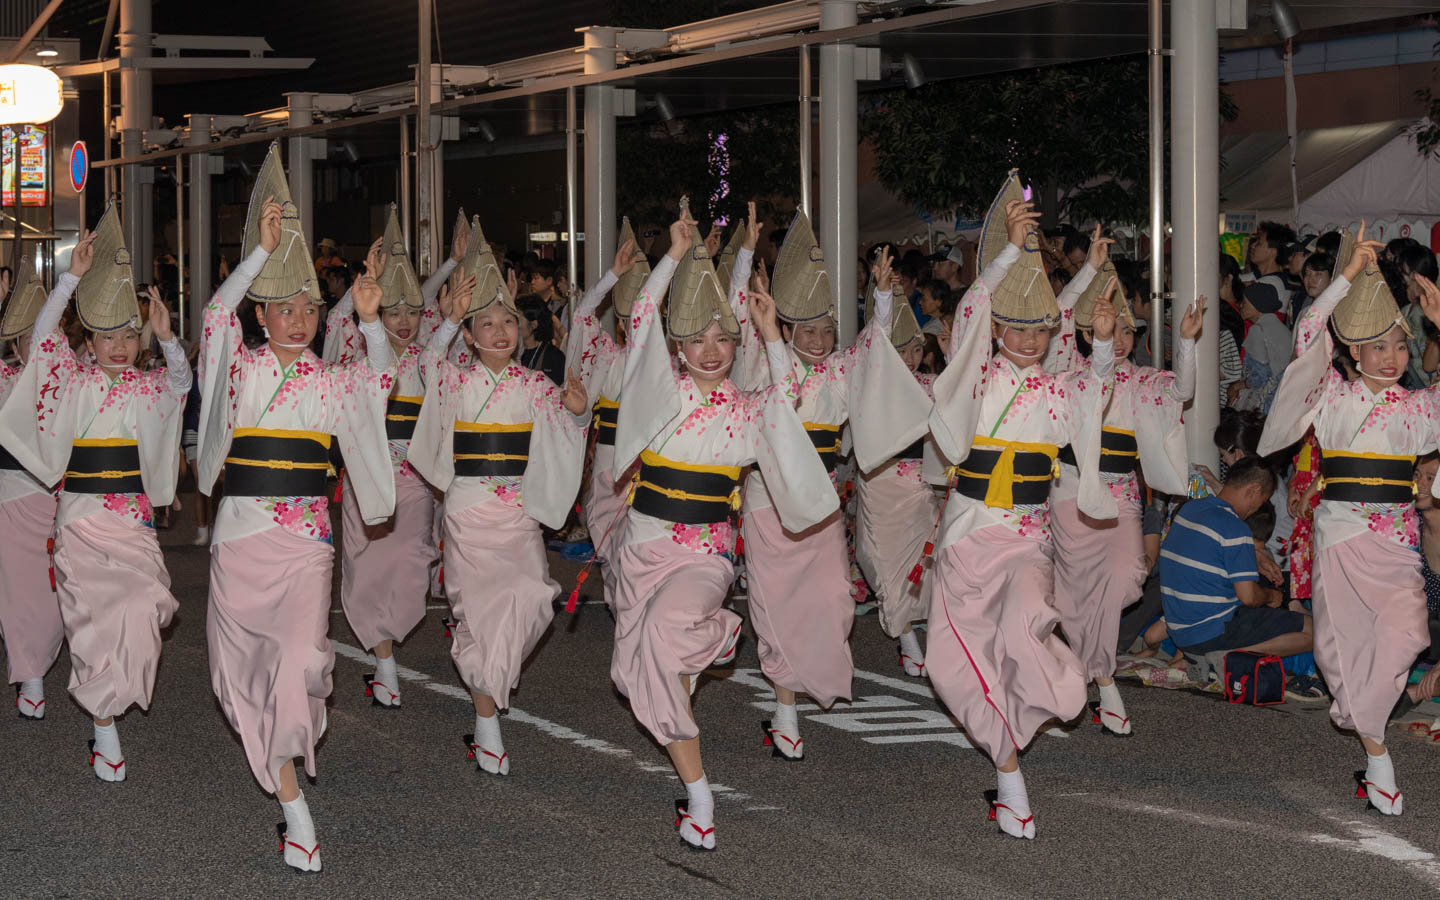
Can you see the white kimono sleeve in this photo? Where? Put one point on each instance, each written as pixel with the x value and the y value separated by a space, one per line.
pixel 1307 378
pixel 651 399
pixel 557 454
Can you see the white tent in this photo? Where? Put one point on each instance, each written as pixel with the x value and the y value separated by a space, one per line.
pixel 1371 171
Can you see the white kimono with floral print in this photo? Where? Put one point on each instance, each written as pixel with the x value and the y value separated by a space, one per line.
pixel 344 344
pixel 513 396
pixel 245 388
pixel 15 483
pixel 984 393
pixel 665 412
pixel 1348 416
pixel 57 400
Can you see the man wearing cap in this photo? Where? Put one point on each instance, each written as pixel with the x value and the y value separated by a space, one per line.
pixel 1267 346
pixel 328 255
pixel 949 262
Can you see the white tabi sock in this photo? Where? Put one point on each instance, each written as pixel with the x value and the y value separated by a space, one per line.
pixel 109 759
pixel 1015 819
pixel 385 672
pixel 31 701
pixel 1110 702
pixel 1380 773
pixel 697 829
pixel 490 752
pixel 910 646
pixel 786 725
pixel 300 829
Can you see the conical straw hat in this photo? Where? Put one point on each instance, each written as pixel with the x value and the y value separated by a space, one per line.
pixel 26 299
pixel 1342 256
pixel 462 225
pixel 105 298
pixel 1085 304
pixel 1367 311
pixel 904 327
pixel 289 270
pixel 800 285
pixel 993 234
pixel 1123 313
pixel 489 279
pixel 628 287
pixel 1024 298
pixel 725 265
pixel 398 285
pixel 696 299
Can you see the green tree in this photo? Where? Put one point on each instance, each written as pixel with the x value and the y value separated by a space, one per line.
pixel 1077 132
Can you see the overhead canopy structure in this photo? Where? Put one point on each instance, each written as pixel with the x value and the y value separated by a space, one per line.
pixel 1372 171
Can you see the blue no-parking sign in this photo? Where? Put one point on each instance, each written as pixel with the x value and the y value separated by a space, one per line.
pixel 79 166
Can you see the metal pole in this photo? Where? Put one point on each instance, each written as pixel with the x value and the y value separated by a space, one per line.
pixel 424 159
pixel 805 175
pixel 405 179
pixel 201 265
pixel 109 137
pixel 180 242
pixel 839 140
pixel 1195 202
pixel 601 217
pixel 135 116
pixel 302 167
pixel 1157 183
pixel 572 246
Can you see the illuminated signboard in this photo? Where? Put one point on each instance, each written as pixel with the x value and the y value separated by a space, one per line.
pixel 34 150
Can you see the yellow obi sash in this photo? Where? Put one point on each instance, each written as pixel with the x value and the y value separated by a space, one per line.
pixel 103 466
pixel 484 450
pixel 826 439
pixel 683 492
pixel 607 419
pixel 1006 473
pixel 401 414
pixel 277 462
pixel 1351 477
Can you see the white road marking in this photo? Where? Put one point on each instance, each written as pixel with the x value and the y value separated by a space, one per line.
pixel 553 729
pixel 1365 837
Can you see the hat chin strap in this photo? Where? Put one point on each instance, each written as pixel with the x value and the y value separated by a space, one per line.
pixel 1390 378
pixel 396 336
pixel 282 344
pixel 719 372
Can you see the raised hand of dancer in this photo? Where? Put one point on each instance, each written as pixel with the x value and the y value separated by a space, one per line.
pixel 1365 255
pixel 1194 319
pixel 512 284
pixel 1102 318
pixel 376 258
pixel 1021 217
pixel 455 302
pixel 625 258
pixel 681 236
pixel 82 257
pixel 883 269
pixel 760 276
pixel 576 400
pixel 1429 298
pixel 460 243
pixel 270 215
pixel 366 292
pixel 762 305
pixel 159 315
pixel 712 241
pixel 1099 248
pixel 752 228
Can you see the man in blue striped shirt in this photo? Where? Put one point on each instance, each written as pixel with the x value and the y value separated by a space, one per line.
pixel 1209 583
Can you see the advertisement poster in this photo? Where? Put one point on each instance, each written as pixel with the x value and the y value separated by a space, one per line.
pixel 34 149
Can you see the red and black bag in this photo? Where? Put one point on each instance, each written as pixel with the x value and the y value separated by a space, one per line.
pixel 1254 678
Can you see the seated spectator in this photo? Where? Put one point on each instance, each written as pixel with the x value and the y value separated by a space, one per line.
pixel 1268 347
pixel 1413 261
pixel 1210 579
pixel 536 331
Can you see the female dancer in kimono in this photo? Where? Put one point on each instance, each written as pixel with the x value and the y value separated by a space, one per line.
pixel 267 415
pixel 507 446
pixel 29 613
pixel 800 590
pixel 1100 565
pixel 1369 598
pixel 896 509
pixel 385 568
pixel 112 432
pixel 993 655
pixel 600 363
pixel 693 431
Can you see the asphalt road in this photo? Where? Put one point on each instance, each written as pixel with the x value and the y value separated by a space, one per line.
pixel 1206 800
